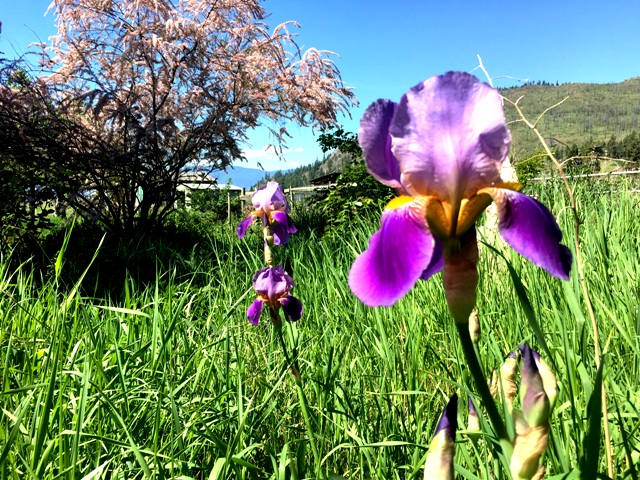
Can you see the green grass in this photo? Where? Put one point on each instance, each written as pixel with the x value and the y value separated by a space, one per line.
pixel 169 380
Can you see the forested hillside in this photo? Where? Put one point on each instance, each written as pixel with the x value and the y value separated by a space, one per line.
pixel 302 176
pixel 591 112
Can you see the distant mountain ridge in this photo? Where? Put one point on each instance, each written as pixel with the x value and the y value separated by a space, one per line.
pixel 242 176
pixel 302 176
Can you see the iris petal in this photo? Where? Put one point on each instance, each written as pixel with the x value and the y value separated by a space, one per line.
pixel 292 307
pixel 268 197
pixel 244 225
pixel 280 234
pixel 375 141
pixel 397 256
pixel 271 283
pixel 283 219
pixel 531 230
pixel 254 311
pixel 450 137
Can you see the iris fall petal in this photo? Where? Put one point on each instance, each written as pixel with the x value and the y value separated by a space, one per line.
pixel 244 225
pixel 437 261
pixel 531 230
pixel 283 219
pixel 397 256
pixel 254 311
pixel 280 234
pixel 292 307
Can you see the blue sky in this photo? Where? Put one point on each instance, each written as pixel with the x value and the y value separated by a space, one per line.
pixel 384 50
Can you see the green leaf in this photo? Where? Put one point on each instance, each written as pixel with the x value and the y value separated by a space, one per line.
pixel 591 444
pixel 521 292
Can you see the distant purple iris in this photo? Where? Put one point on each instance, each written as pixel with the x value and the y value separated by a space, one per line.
pixel 442 147
pixel 270 205
pixel 273 286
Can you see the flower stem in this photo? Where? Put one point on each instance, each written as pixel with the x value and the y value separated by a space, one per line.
pixel 483 390
pixel 292 363
pixel 267 234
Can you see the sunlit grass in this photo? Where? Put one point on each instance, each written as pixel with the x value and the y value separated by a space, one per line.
pixel 171 380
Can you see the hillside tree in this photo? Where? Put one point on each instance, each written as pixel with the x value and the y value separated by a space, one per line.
pixel 151 88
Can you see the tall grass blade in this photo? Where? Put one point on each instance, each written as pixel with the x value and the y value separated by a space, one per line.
pixel 523 297
pixel 591 446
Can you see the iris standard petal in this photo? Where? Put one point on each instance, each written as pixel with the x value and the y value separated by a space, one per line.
pixel 279 199
pixel 244 225
pixel 292 307
pixel 254 311
pixel 280 284
pixel 263 196
pixel 397 256
pixel 375 141
pixel 271 283
pixel 531 230
pixel 261 280
pixel 450 137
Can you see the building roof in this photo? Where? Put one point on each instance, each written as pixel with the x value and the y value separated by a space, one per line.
pixel 197 180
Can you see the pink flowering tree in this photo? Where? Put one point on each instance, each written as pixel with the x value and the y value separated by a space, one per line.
pixel 159 87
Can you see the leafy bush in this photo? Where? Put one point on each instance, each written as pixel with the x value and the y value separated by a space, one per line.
pixel 530 167
pixel 356 193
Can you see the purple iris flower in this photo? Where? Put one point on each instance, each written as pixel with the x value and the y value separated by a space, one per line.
pixel 442 147
pixel 273 286
pixel 270 205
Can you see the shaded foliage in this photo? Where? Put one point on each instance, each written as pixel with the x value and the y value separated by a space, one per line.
pixel 31 182
pixel 215 203
pixel 587 157
pixel 530 167
pixel 338 139
pixel 357 194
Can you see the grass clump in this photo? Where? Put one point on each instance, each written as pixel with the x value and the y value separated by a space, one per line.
pixel 163 376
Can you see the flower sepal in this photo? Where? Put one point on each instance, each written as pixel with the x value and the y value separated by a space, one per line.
pixel 439 462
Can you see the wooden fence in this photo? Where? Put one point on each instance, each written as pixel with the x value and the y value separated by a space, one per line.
pixel 591 175
pixel 602 176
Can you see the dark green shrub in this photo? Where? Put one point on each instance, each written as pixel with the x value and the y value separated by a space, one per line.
pixel 216 202
pixel 530 167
